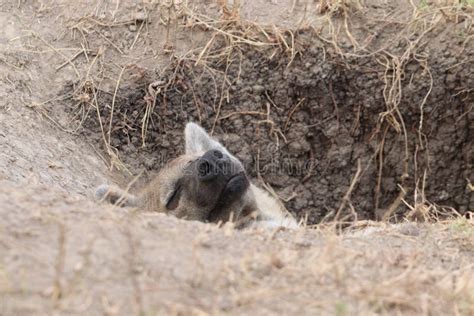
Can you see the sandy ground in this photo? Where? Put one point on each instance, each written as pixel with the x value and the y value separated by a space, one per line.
pixel 69 255
pixel 63 253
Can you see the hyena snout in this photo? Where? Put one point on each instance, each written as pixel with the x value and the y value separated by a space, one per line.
pixel 217 172
pixel 215 164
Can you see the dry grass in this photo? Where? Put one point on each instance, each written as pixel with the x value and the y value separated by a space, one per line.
pixel 338 6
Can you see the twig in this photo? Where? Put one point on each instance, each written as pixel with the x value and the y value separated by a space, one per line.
pixel 58 52
pixel 292 111
pixel 113 104
pixel 69 61
pixel 347 196
pixel 256 113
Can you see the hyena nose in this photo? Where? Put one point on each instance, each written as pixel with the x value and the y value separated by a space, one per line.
pixel 212 164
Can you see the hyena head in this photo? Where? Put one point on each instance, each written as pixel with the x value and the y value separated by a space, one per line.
pixel 207 183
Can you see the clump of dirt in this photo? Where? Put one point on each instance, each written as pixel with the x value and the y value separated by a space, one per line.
pixel 311 118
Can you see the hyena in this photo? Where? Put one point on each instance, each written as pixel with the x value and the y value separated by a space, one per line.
pixel 206 184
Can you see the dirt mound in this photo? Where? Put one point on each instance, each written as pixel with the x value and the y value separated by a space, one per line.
pixel 72 256
pixel 311 115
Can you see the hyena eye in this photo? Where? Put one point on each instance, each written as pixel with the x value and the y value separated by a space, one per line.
pixel 173 201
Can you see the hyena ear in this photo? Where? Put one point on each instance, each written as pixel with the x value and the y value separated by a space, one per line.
pixel 198 141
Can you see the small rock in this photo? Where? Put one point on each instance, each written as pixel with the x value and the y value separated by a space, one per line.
pixel 409 229
pixel 140 16
pixel 332 130
pixel 258 88
pixel 150 163
pixel 299 147
pixel 450 78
